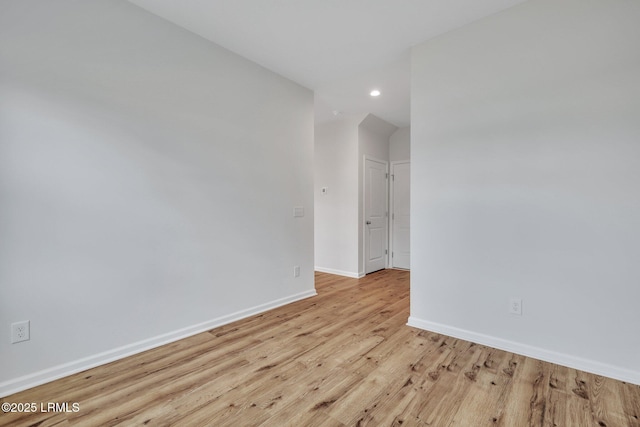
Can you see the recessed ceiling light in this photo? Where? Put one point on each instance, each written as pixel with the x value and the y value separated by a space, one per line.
pixel 375 92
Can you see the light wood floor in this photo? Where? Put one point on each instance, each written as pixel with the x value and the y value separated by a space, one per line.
pixel 343 358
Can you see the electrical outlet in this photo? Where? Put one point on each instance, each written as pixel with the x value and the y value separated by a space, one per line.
pixel 296 271
pixel 20 331
pixel 515 306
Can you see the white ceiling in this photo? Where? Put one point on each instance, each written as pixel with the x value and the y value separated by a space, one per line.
pixel 339 48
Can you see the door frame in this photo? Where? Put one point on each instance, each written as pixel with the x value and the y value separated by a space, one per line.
pixel 391 212
pixel 363 218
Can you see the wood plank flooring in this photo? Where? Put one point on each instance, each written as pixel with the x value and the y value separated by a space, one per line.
pixel 342 358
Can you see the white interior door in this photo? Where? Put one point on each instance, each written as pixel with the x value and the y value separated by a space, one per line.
pixel 375 215
pixel 400 218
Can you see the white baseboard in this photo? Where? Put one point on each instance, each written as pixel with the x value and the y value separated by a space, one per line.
pixel 339 272
pixel 60 371
pixel 569 361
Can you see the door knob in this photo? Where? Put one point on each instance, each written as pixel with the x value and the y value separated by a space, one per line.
pixel 368 222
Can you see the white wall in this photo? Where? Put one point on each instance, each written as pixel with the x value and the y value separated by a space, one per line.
pixel 373 137
pixel 336 212
pixel 525 177
pixel 400 145
pixel 147 182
